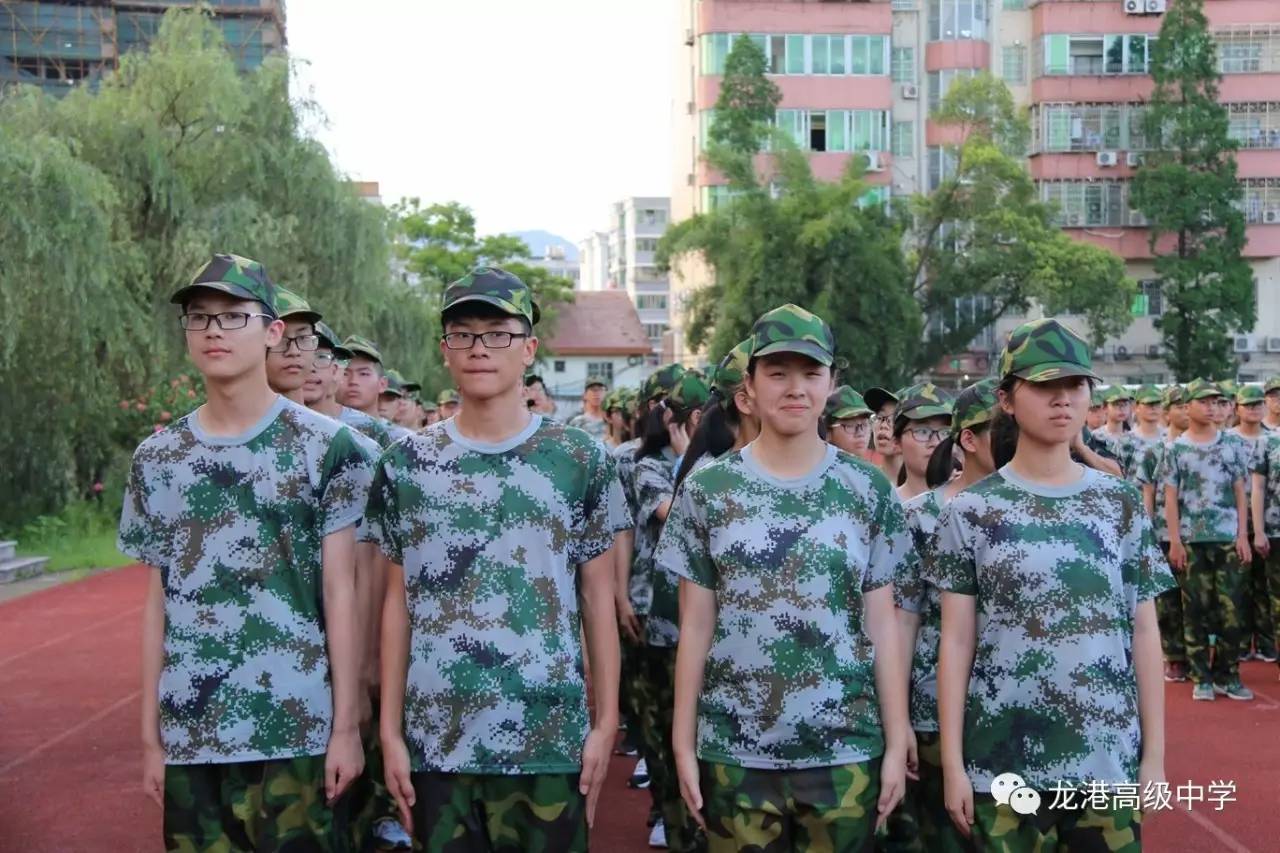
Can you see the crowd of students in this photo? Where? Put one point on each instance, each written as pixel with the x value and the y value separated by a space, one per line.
pixel 826 620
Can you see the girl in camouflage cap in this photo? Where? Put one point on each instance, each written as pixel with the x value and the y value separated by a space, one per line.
pixel 1049 655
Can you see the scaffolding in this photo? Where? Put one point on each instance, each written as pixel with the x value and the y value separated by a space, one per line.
pixel 56 45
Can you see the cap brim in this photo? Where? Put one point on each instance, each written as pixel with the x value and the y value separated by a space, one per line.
pixel 1055 370
pixel 229 289
pixel 501 304
pixel 850 412
pixel 877 397
pixel 927 410
pixel 805 348
pixel 311 317
pixel 366 353
pixel 1205 394
pixel 339 351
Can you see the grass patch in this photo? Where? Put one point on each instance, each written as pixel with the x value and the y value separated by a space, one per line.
pixel 83 536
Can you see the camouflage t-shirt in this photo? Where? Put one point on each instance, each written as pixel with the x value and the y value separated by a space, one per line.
pixel 1147 473
pixel 1204 475
pixel 640 584
pixel 1058 573
pixel 235 526
pixel 489 536
pixel 396 431
pixel 374 428
pixel 1266 461
pixel 789 679
pixel 913 592
pixel 594 427
pixel 655 481
pixel 1133 446
pixel 1250 447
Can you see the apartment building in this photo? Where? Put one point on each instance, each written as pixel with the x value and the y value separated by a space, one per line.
pixel 863 76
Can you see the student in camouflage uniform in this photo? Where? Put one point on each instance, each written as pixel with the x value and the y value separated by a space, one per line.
pixel 1205 512
pixel 1257 636
pixel 1271 393
pixel 789 733
pixel 848 421
pixel 448 401
pixel 289 362
pixel 921 822
pixel 884 404
pixel 362 383
pixel 246 508
pixel 1097 417
pixel 393 400
pixel 1147 431
pixel 1146 476
pixel 591 419
pixel 1265 505
pixel 922 421
pixel 497 523
pixel 1049 653
pixel 1119 402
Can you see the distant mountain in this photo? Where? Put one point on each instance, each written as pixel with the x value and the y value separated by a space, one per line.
pixel 537 241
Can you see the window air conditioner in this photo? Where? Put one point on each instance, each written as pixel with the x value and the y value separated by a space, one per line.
pixel 1133 159
pixel 1271 217
pixel 910 91
pixel 1273 344
pixel 1107 158
pixel 1241 343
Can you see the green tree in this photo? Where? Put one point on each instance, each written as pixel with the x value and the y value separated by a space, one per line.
pixel 747 100
pixel 983 245
pixel 1187 190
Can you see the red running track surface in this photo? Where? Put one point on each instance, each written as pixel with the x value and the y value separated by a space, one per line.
pixel 69 758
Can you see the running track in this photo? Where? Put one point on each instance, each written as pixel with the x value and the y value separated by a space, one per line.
pixel 69 763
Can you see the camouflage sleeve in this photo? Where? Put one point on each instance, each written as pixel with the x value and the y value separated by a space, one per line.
pixel 653 487
pixel 141 535
pixel 600 500
pixel 620 515
pixel 382 514
pixel 345 476
pixel 1145 471
pixel 949 564
pixel 684 547
pixel 1240 461
pixel 908 585
pixel 891 545
pixel 1152 576
pixel 1258 460
pixel 1168 473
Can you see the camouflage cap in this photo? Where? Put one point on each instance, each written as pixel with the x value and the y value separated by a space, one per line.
pixel 690 392
pixel 846 403
pixel 1148 394
pixel 975 406
pixel 732 369
pixel 924 400
pixel 877 397
pixel 592 381
pixel 496 287
pixel 395 383
pixel 291 306
pixel 359 346
pixel 412 387
pixel 447 396
pixel 1273 384
pixel 1116 393
pixel 1248 394
pixel 1174 395
pixel 233 275
pixel 1229 387
pixel 1045 350
pixel 429 405
pixel 1096 399
pixel 790 328
pixel 661 382
pixel 1199 389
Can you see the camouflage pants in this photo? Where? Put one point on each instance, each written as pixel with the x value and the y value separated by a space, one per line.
pixel 1273 591
pixel 1258 628
pixel 252 805
pixel 647 702
pixel 920 822
pixel 1169 616
pixel 1000 829
pixel 683 834
pixel 629 688
pixel 369 799
pixel 1212 599
pixel 772 811
pixel 474 813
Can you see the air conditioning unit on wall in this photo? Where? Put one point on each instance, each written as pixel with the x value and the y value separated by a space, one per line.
pixel 1107 158
pixel 1133 159
pixel 1271 217
pixel 1273 344
pixel 1241 343
pixel 910 91
pixel 1157 7
pixel 1135 7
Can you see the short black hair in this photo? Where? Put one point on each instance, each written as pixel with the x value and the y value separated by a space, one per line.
pixel 533 379
pixel 476 310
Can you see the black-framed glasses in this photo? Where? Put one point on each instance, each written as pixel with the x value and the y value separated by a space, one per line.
pixel 324 359
pixel 853 427
pixel 227 321
pixel 926 434
pixel 491 340
pixel 305 343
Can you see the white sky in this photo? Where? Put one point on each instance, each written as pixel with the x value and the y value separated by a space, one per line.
pixel 533 114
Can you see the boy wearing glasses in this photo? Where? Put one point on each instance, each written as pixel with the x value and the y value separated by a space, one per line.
pixel 497 522
pixel 247 509
pixel 849 421
pixel 289 362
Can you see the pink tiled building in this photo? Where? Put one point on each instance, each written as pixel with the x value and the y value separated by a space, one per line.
pixel 864 76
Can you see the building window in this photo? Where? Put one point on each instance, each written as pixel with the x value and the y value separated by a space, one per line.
pixel 558 366
pixel 951 20
pixel 942 165
pixel 646 244
pixel 904 5
pixel 1147 302
pixel 651 301
pixel 655 331
pixel 1261 201
pixel 1248 48
pixel 1095 55
pixel 715 47
pixel 1013 64
pixel 904 139
pixel 1087 204
pixel 602 370
pixel 1015 5
pixel 649 216
pixel 903 64
pixel 804 54
pixel 836 130
pixel 940 83
pixel 1088 127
